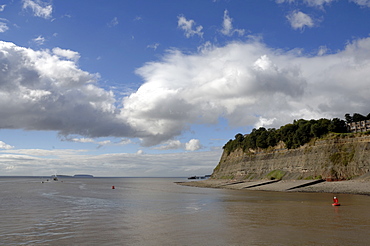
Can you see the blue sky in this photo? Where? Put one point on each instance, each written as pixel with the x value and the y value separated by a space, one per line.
pixel 156 88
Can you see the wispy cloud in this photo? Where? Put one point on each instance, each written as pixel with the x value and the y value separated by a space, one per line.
pixel 321 3
pixel 39 8
pixel 68 54
pixel 113 22
pixel 313 3
pixel 153 46
pixel 40 40
pixel 2 7
pixel 170 144
pixel 227 26
pixel 322 50
pixel 189 27
pixel 99 143
pixel 48 162
pixel 364 3
pixel 192 145
pixel 3 25
pixel 82 140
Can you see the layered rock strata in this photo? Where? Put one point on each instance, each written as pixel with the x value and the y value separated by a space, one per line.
pixel 337 157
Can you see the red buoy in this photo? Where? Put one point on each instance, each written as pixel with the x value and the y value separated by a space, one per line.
pixel 336 203
pixel 113 187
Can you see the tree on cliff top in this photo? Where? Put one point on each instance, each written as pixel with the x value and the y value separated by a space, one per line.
pixel 293 135
pixel 356 117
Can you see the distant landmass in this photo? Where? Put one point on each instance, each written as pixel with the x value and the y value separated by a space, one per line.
pixel 83 176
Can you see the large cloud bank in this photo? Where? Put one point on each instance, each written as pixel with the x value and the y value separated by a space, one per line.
pixel 246 83
pixel 45 90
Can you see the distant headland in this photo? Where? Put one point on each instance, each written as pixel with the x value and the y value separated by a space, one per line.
pixel 74 176
pixel 83 176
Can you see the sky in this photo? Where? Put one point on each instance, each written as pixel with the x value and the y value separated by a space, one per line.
pixel 156 88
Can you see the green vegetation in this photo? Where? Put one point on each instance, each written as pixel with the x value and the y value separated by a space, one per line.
pixel 276 174
pixel 356 117
pixel 312 177
pixel 293 135
pixel 343 157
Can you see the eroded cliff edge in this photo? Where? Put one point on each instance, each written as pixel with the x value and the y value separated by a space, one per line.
pixel 333 158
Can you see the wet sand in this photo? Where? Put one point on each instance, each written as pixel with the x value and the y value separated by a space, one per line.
pixel 361 187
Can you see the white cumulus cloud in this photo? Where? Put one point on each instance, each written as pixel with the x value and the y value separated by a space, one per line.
pixel 300 20
pixel 41 91
pixel 247 83
pixel 193 144
pixel 5 146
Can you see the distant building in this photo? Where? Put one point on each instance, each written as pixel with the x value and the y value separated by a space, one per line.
pixel 359 126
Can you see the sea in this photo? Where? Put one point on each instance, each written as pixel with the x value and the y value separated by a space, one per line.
pixel 157 211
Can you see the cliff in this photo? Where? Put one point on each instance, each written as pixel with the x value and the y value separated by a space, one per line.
pixel 337 157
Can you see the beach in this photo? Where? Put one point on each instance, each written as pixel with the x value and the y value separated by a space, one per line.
pixel 357 186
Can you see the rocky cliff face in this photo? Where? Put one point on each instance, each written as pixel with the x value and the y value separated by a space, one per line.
pixel 333 158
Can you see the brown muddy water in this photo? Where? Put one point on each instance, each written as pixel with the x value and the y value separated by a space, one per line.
pixel 155 211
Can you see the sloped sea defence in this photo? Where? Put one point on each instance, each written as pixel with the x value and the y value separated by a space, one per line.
pixel 357 186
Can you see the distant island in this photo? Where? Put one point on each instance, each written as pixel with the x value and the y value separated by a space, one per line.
pixel 83 176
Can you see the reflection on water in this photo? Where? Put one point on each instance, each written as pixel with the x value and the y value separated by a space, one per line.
pixel 159 212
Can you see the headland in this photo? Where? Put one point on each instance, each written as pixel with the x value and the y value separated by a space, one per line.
pixel 336 163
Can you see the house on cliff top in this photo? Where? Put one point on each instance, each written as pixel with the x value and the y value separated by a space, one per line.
pixel 359 126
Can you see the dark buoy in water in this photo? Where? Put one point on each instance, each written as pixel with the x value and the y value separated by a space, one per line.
pixel 336 203
pixel 113 187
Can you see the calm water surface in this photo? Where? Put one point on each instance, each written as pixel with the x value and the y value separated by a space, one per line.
pixel 153 211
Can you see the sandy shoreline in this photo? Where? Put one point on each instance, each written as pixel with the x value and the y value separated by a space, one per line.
pixel 361 187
